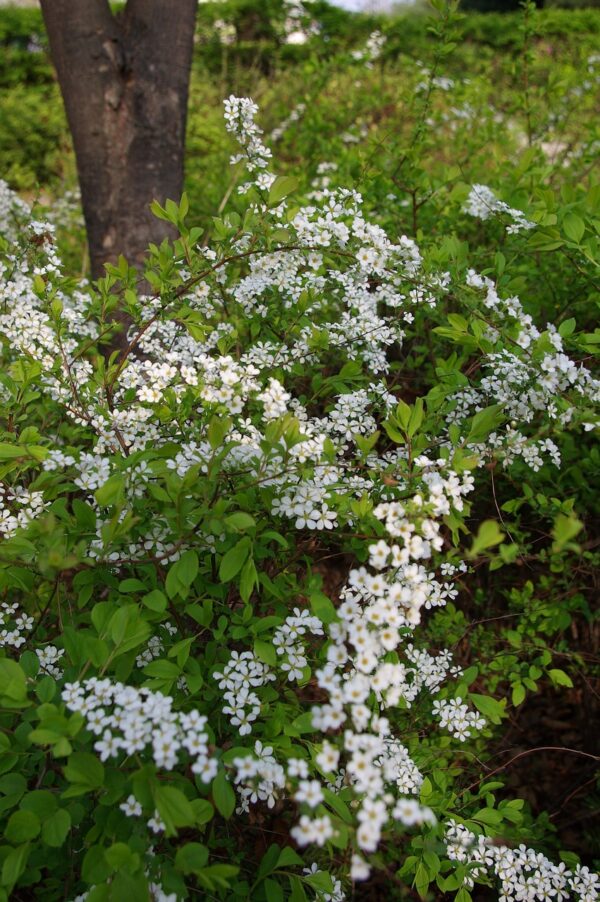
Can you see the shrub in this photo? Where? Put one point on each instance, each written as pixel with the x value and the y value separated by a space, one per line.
pixel 33 139
pixel 185 675
pixel 24 56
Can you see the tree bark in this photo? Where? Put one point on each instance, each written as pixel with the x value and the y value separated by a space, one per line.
pixel 124 80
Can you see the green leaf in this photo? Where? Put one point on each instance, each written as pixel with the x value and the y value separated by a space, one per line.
pixel 187 567
pixel 265 652
pixel 13 452
pixel 288 858
pixel 223 795
pixel 95 868
pixel 393 433
pixel 172 210
pixel 488 816
pixel 573 227
pixel 191 858
pixel 127 629
pixel 217 875
pixel 518 694
pixel 297 893
pixel 320 881
pixel 567 327
pixel 131 585
pixel 432 861
pixel 41 801
pixel 489 707
pixel 565 528
pixel 483 423
pixel 458 322
pixel 240 521
pixel 334 801
pixel 182 574
pixel 14 865
pixel 85 770
pixel 422 881
pixel 203 811
pixel 158 211
pixel 416 418
pixel 22 826
pixel 489 534
pixel 281 187
pixel 273 890
pixel 13 686
pixel 248 579
pixel 184 206
pixel 233 560
pixel 403 414
pixel 126 885
pixel 155 601
pixel 560 678
pixel 56 829
pixel 10 452
pixel 217 430
pixel 322 607
pixel 174 808
pixel 162 670
pixel 112 492
pixel 301 724
pixel 463 895
pixel 120 856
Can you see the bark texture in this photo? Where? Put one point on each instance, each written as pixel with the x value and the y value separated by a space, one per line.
pixel 124 80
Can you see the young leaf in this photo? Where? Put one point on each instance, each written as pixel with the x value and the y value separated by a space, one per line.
pixel 281 188
pixel 174 808
pixel 223 795
pixel 233 560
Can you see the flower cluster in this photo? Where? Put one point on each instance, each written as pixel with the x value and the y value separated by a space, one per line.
pixel 457 719
pixel 243 673
pixel 49 657
pixel 14 625
pixel 312 830
pixel 522 872
pixel 371 51
pixel 529 388
pixel 18 507
pixel 374 610
pixel 134 721
pixel 156 645
pixel 225 31
pixel 258 777
pixel 483 203
pixel 298 25
pixel 239 120
pixel 288 641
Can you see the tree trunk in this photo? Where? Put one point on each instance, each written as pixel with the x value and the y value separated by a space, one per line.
pixel 124 80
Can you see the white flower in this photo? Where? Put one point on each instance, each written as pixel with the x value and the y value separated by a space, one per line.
pixel 309 792
pixel 359 870
pixel 131 807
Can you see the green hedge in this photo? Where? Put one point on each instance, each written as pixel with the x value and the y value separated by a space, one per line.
pixel 23 47
pixel 24 59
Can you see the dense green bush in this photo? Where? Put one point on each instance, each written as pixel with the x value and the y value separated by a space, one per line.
pixel 33 141
pixel 349 445
pixel 24 48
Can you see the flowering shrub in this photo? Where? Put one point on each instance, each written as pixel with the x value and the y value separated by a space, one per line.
pixel 181 678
